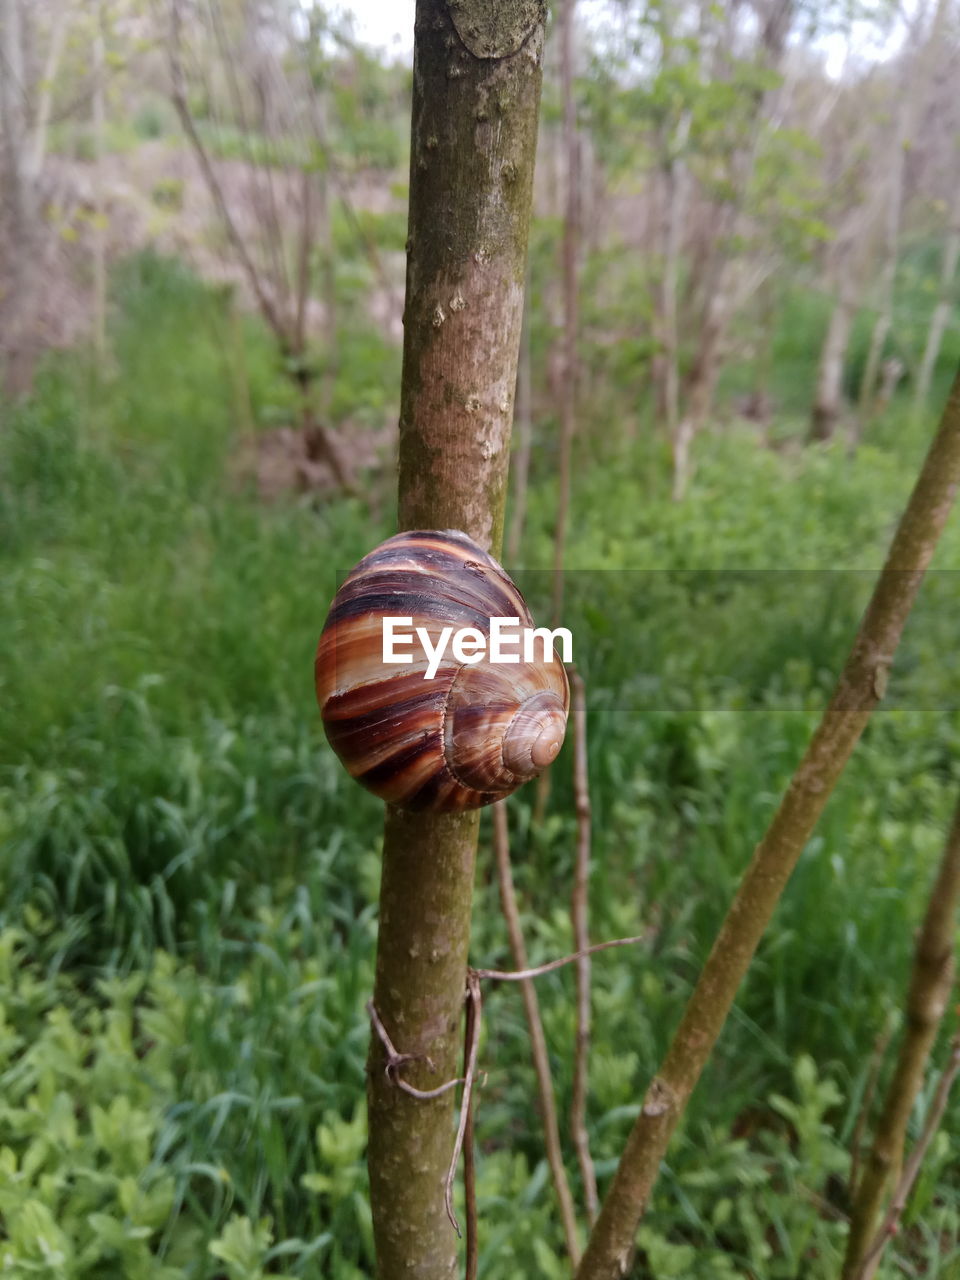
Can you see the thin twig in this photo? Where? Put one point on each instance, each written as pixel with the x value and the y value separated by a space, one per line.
pixel 931 980
pixel 469 1149
pixel 911 1170
pixel 880 1047
pixel 395 1060
pixel 579 913
pixel 538 1040
pixel 520 975
pixel 473 1024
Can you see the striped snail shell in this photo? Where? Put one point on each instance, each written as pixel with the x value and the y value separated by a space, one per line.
pixel 471 734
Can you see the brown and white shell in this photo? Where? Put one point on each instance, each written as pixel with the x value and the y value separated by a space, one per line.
pixel 473 733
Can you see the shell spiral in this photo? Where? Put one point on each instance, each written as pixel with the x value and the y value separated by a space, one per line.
pixel 473 733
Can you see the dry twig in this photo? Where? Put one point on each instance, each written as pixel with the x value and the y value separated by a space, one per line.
pixel 581 935
pixel 930 984
pixel 880 1047
pixel 470 1039
pixel 471 1048
pixel 911 1170
pixel 538 1040
pixel 395 1060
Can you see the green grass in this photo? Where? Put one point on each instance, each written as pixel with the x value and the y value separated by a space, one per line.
pixel 188 880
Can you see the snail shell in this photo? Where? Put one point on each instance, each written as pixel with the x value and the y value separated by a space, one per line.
pixel 473 733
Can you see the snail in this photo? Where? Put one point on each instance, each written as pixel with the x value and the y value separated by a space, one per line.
pixel 474 730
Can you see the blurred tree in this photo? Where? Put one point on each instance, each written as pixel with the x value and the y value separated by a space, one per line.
pixel 946 299
pixel 26 94
pixel 911 88
pixel 273 90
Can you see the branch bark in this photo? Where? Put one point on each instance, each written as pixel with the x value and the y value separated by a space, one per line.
pixel 914 89
pixel 930 983
pixel 100 235
pixel 858 691
pixel 477 77
pixel 912 1168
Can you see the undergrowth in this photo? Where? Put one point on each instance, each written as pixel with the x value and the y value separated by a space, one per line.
pixel 188 881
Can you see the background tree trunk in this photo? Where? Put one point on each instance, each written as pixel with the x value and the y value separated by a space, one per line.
pixel 945 304
pixel 477 78
pixel 931 981
pixel 673 208
pixel 100 231
pixel 828 400
pixel 17 189
pixel 910 108
pixel 570 254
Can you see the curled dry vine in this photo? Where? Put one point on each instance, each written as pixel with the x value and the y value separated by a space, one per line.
pixel 395 1060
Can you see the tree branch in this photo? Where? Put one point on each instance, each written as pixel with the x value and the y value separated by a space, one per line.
pixel 538 1040
pixel 930 983
pixel 581 936
pixel 858 691
pixel 902 1194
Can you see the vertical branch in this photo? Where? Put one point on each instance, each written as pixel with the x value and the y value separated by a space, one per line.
pixel 858 691
pixel 880 1047
pixel 571 235
pixel 911 1170
pixel 18 199
pixel 674 201
pixel 477 75
pixel 538 1041
pixel 523 425
pixel 581 942
pixel 58 35
pixel 471 1038
pixel 940 318
pixel 914 88
pixel 930 983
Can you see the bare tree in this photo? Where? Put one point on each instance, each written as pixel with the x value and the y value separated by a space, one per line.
pixel 927 1000
pixel 571 253
pixel 910 99
pixel 288 115
pixel 946 301
pixel 722 282
pixel 25 105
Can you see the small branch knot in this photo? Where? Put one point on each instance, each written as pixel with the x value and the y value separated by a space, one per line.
pixel 659 1099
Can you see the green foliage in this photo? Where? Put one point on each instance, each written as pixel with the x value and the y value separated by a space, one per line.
pixel 167 193
pixel 188 881
pixel 155 117
pixel 83 1100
